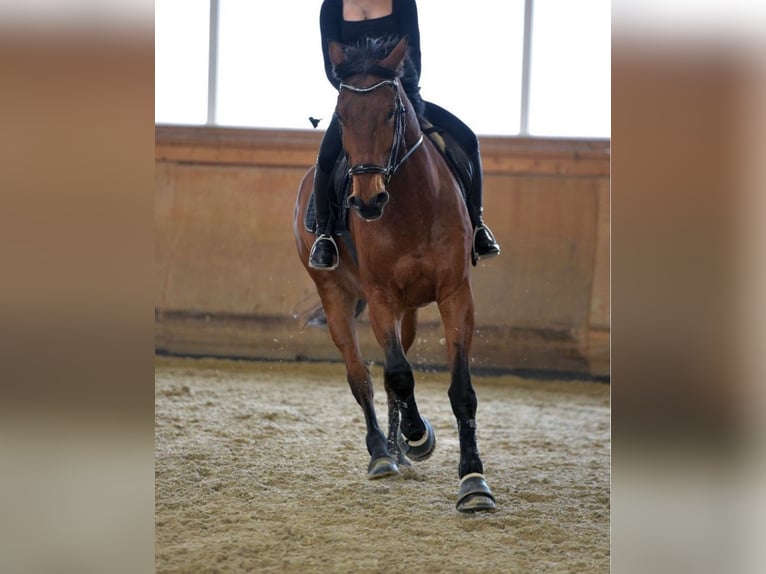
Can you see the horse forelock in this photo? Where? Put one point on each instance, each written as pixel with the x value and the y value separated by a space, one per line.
pixel 363 59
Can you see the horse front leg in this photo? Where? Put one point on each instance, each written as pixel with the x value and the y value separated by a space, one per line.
pixel 458 317
pixel 410 434
pixel 408 330
pixel 339 309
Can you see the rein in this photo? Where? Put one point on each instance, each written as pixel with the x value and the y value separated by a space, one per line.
pixel 399 128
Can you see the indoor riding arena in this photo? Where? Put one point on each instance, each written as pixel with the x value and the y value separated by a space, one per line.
pixel 272 454
pixel 260 453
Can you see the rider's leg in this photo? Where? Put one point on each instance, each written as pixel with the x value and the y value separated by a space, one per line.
pixel 484 243
pixel 324 253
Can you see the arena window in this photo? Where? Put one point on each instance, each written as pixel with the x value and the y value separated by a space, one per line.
pixel 517 67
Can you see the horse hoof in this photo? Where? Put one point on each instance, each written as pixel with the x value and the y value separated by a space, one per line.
pixel 474 495
pixel 382 467
pixel 421 449
pixel 402 460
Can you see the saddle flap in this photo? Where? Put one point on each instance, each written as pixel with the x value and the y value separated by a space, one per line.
pixel 338 188
pixel 456 157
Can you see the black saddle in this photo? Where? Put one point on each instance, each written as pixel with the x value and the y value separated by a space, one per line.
pixel 453 153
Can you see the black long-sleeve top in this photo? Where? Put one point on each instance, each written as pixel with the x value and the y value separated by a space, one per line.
pixel 403 21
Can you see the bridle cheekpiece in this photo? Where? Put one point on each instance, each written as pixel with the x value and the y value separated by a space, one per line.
pixel 399 127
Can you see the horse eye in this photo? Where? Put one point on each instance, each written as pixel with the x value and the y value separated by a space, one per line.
pixel 390 115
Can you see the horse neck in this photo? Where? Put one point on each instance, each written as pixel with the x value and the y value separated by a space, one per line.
pixel 422 175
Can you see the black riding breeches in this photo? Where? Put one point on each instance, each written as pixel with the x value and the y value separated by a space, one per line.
pixel 331 146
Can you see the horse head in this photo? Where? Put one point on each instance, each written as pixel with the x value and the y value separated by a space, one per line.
pixel 371 109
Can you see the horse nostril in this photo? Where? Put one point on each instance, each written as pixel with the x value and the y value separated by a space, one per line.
pixel 381 199
pixel 353 202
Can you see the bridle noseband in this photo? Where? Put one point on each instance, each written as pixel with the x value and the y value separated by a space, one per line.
pixel 399 128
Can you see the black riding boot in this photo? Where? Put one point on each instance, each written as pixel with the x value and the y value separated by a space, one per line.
pixel 484 244
pixel 324 253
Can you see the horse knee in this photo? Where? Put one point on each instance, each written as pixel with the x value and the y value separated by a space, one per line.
pixel 361 387
pixel 400 381
pixel 398 372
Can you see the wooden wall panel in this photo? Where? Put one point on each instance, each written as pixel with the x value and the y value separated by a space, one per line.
pixel 229 282
pixel 226 239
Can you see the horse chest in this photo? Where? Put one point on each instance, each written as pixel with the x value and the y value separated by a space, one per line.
pixel 411 280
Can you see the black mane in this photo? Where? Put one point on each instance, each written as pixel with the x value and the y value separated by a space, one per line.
pixel 362 59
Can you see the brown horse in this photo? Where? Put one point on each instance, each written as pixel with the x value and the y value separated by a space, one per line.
pixel 412 236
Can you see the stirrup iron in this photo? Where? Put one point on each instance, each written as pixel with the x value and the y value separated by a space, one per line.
pixel 336 256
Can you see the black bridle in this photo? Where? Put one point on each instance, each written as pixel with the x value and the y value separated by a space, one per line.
pixel 399 128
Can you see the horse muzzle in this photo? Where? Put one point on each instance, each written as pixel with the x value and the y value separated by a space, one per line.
pixel 369 210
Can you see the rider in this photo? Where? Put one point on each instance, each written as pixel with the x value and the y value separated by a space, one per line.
pixel 347 22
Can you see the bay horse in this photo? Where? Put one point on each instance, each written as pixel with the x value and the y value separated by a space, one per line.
pixel 412 237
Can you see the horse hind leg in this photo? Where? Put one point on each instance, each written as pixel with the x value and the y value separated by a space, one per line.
pixel 340 320
pixel 394 433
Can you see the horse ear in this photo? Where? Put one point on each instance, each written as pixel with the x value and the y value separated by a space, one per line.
pixel 395 59
pixel 335 50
